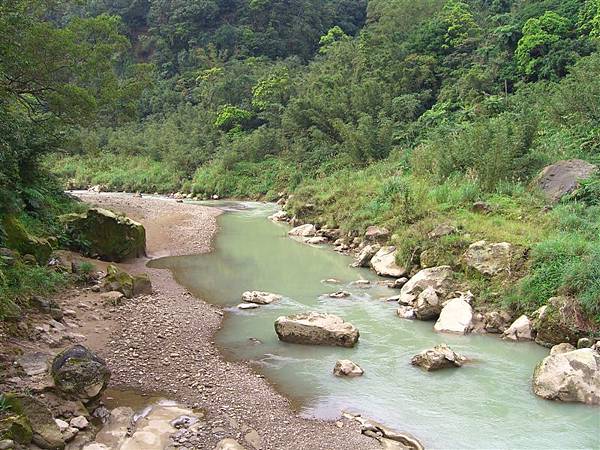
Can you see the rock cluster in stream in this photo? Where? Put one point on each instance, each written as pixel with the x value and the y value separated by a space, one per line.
pixel 436 294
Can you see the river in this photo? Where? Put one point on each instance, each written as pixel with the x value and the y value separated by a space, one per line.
pixel 486 404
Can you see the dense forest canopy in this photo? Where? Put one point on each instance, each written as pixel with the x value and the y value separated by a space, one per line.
pixel 396 112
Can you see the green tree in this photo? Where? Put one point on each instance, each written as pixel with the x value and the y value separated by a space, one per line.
pixel 539 36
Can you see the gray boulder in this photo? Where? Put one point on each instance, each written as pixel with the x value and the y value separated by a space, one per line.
pixel 316 329
pixel 347 368
pixel 428 305
pixel 384 263
pixel 365 255
pixel 438 357
pixel 439 278
pixel 563 177
pixel 572 376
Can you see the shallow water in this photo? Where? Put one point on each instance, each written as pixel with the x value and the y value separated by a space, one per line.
pixel 486 404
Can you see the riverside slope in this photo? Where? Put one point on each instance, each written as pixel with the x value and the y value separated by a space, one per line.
pixel 166 345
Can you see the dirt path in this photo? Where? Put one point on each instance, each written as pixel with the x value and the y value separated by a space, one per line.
pixel 164 343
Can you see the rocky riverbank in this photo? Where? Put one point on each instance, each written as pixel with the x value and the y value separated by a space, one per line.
pixel 163 343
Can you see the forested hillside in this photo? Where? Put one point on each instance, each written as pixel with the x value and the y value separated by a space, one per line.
pixel 391 112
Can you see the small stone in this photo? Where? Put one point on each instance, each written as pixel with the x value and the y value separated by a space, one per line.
pixel 6 444
pixel 347 368
pixel 248 306
pixel 585 343
pixel 339 424
pixel 62 425
pixel 79 422
pixel 339 294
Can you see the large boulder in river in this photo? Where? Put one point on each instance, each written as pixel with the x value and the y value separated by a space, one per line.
pixel 305 231
pixel 80 373
pixel 491 259
pixel 456 316
pixel 107 235
pixel 439 278
pixel 317 329
pixel 573 376
pixel 260 298
pixel 384 263
pixel 439 357
pixel 45 432
pixel 17 238
pixel 563 177
pixel 561 320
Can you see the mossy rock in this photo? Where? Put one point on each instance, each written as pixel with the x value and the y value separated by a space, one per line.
pixel 17 428
pixel 79 373
pixel 19 239
pixel 118 280
pixel 104 234
pixel 45 432
pixel 561 320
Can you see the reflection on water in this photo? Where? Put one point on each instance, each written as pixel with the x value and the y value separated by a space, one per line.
pixel 486 404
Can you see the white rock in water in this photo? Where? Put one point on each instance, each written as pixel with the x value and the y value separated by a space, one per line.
pixel 261 298
pixel 316 240
pixel 438 357
pixel 520 330
pixel 365 255
pixel 279 216
pixel 306 230
pixel 316 329
pixel 406 312
pixel 456 317
pixel 571 377
pixel 384 263
pixel 339 294
pixel 347 368
pixel 248 306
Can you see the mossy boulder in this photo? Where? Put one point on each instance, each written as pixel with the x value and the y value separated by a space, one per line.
pixel 129 285
pixel 16 428
pixel 45 432
pixel 17 238
pixel 561 320
pixel 79 373
pixel 104 234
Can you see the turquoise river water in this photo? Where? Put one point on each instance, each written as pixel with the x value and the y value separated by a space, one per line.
pixel 487 404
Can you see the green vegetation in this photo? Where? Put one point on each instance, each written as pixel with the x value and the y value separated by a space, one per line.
pixel 55 78
pixel 389 112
